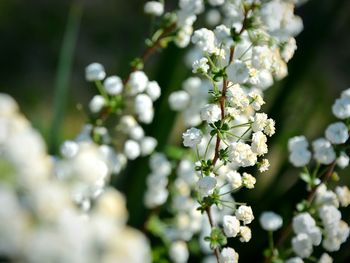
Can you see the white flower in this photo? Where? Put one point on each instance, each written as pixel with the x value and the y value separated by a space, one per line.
pixel 147 144
pixel 341 108
pixel 228 255
pixel 179 100
pixel 132 149
pixel 178 252
pixel 337 133
pixel 295 260
pixel 97 103
pixel 289 49
pixel 113 85
pixel 245 214
pixel 245 233
pixel 329 215
pixel 154 8
pixel 155 197
pixel 192 137
pixel 204 39
pixel 206 185
pixel 237 97
pixel 153 90
pixel 343 160
pixel 200 66
pixel 241 154
pixel 234 179
pixel 264 165
pixel 343 194
pixel 160 164
pixel 248 180
pixel 269 129
pixel 270 221
pixel 183 36
pixel 262 58
pixel 302 222
pixel 211 113
pixel 325 258
pixel 238 72
pixel 144 108
pixel 216 2
pixel 259 145
pixel 137 82
pixel 300 157
pixel 95 71
pixel 297 142
pixel 257 100
pixel 192 6
pixel 69 149
pixel 323 151
pixel 137 133
pixel 231 226
pixel 259 122
pixel 302 245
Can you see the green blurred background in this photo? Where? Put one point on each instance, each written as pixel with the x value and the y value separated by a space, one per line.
pixel 45 46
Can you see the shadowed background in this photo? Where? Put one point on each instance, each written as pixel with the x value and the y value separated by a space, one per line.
pixel 45 46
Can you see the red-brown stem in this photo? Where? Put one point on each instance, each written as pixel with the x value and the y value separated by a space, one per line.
pixel 216 250
pixel 288 230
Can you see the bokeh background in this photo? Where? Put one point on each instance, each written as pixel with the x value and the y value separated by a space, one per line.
pixel 45 46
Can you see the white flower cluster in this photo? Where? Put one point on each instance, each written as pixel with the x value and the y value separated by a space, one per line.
pixel 90 165
pixel 190 100
pixel 157 182
pixel 186 16
pixel 38 220
pixel 324 148
pixel 332 231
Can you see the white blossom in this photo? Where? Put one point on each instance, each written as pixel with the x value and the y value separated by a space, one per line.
pixel 231 226
pixel 179 100
pixel 343 194
pixel 323 151
pixel 192 137
pixel 154 8
pixel 200 66
pixel 206 185
pixel 248 180
pixel 302 245
pixel 113 85
pixel 97 103
pixel 153 90
pixel 259 145
pixel 337 133
pixel 341 108
pixel 94 72
pixel 270 221
pixel 294 260
pixel 245 214
pixel 178 252
pixel 325 258
pixel 234 179
pixel 204 39
pixel 238 72
pixel 343 160
pixel 245 234
pixel 228 255
pixel 137 82
pixel 259 122
pixel 241 154
pixel 132 149
pixel 211 113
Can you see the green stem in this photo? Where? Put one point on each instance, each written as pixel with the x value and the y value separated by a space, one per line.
pixel 64 68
